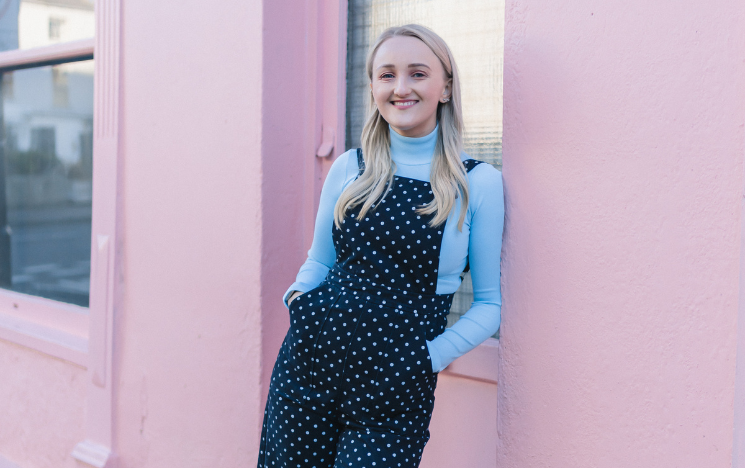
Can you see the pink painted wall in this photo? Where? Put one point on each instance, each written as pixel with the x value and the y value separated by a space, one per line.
pixel 42 408
pixel 219 132
pixel 624 145
pixel 189 335
pixel 463 431
pixel 291 105
pixel 222 119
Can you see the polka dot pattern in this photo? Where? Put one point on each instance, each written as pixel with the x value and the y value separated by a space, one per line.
pixel 353 384
pixel 392 246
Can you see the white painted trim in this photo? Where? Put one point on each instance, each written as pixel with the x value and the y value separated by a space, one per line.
pixel 92 454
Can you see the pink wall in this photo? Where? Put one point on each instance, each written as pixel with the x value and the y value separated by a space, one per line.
pixel 463 431
pixel 188 335
pixel 623 165
pixel 42 408
pixel 624 146
pixel 738 449
pixel 291 130
pixel 223 115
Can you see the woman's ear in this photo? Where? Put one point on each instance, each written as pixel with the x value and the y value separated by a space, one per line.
pixel 447 91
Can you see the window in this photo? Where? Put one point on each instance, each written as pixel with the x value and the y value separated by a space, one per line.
pixel 46 127
pixel 37 23
pixel 55 28
pixel 57 287
pixel 474 31
pixel 46 158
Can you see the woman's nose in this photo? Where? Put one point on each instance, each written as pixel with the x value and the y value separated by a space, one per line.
pixel 402 87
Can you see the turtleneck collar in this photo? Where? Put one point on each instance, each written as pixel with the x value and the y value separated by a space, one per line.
pixel 413 151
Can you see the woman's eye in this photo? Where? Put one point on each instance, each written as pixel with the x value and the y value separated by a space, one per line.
pixel 386 76
pixel 419 75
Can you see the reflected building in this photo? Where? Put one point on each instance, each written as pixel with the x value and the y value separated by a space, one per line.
pixel 47 153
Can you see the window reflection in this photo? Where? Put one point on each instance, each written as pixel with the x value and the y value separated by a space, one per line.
pixel 474 30
pixel 46 158
pixel 35 23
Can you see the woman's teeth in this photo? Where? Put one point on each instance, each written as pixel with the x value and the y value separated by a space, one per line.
pixel 404 103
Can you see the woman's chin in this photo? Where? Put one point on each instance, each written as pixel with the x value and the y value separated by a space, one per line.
pixel 410 130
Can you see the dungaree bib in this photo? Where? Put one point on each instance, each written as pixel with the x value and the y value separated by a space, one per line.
pixel 353 384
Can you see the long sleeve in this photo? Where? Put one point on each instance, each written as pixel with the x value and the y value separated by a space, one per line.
pixel 484 250
pixel 322 255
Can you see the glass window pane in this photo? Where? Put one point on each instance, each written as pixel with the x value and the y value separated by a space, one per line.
pixel 34 23
pixel 474 30
pixel 46 161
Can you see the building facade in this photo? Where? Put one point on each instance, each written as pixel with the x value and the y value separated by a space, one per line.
pixel 162 164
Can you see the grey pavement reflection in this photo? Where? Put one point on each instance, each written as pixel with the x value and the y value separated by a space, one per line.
pixel 50 252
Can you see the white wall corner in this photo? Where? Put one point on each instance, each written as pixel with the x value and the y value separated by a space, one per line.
pixel 92 454
pixel 5 463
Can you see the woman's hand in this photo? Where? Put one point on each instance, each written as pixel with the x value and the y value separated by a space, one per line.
pixel 293 296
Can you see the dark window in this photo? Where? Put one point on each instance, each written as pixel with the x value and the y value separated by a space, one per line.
pixel 46 166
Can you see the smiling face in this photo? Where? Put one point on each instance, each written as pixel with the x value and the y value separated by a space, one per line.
pixel 408 83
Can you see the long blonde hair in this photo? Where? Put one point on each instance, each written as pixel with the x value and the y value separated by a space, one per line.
pixel 447 176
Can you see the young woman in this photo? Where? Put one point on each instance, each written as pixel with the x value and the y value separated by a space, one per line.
pixel 399 220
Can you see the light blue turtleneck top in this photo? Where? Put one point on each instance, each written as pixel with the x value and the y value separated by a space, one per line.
pixel 479 243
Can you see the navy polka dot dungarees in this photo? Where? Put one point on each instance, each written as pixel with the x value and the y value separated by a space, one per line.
pixel 353 384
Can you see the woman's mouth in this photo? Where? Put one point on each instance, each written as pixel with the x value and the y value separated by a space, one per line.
pixel 404 104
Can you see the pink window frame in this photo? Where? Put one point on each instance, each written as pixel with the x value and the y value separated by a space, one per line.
pixel 52 327
pixel 76 334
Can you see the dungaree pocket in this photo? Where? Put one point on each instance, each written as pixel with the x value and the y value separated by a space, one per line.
pixel 405 381
pixel 308 315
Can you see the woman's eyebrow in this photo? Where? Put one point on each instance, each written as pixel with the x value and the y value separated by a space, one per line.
pixel 413 65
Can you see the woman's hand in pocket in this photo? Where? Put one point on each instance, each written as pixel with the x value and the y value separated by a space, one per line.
pixel 293 296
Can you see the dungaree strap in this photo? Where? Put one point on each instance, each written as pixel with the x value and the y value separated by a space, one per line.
pixel 469 164
pixel 360 162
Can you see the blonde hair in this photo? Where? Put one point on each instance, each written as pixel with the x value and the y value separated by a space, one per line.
pixel 447 176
